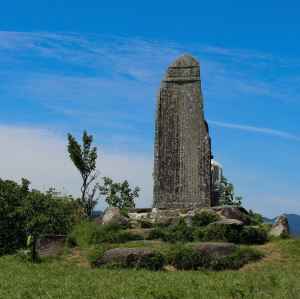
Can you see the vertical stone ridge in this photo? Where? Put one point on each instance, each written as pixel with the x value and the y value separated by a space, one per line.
pixel 182 145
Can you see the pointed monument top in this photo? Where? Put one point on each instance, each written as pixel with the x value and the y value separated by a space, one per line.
pixel 184 69
pixel 185 60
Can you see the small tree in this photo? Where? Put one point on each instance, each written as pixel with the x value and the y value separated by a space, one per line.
pixel 84 158
pixel 227 194
pixel 118 195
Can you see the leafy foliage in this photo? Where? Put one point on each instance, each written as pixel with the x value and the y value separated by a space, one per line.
pixel 227 194
pixel 184 258
pixel 119 195
pixel 154 263
pixel 204 218
pixel 84 158
pixel 112 233
pixel 24 212
pixel 255 218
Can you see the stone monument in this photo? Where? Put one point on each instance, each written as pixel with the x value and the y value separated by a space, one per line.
pixel 182 144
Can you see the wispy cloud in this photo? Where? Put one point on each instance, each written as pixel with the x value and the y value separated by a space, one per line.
pixel 249 128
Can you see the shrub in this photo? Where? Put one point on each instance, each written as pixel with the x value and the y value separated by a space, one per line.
pixel 157 233
pixel 95 255
pixel 255 218
pixel 204 218
pixel 82 233
pixel 145 223
pixel 124 212
pixel 184 258
pixel 251 235
pixel 241 256
pixel 24 212
pixel 284 236
pixel 180 233
pixel 154 263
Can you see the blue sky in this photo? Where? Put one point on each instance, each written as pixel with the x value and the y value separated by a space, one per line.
pixel 96 66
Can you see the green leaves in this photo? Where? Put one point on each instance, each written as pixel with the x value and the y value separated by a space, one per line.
pixel 227 194
pixel 84 159
pixel 32 212
pixel 119 195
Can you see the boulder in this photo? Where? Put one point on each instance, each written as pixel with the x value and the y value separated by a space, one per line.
pixel 213 251
pixel 229 222
pixel 135 224
pixel 280 226
pixel 168 222
pixel 127 256
pixel 50 244
pixel 141 216
pixel 111 214
pixel 139 210
pixel 140 231
pixel 233 212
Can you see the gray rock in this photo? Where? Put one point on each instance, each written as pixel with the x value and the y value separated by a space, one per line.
pixel 127 256
pixel 228 222
pixel 139 210
pixel 140 231
pixel 50 244
pixel 168 222
pixel 141 216
pixel 182 144
pixel 233 212
pixel 135 224
pixel 111 214
pixel 280 226
pixel 213 251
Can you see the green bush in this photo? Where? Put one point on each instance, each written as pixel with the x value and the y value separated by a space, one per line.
pixel 24 212
pixel 204 218
pixel 82 233
pixel 180 233
pixel 154 263
pixel 157 233
pixel 251 235
pixel 284 236
pixel 241 256
pixel 95 255
pixel 124 212
pixel 145 223
pixel 255 218
pixel 184 258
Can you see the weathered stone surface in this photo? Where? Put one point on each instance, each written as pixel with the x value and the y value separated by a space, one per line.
pixel 111 214
pixel 182 144
pixel 233 212
pixel 229 222
pixel 139 210
pixel 141 216
pixel 127 256
pixel 168 222
pixel 135 224
pixel 213 251
pixel 280 225
pixel 50 244
pixel 140 231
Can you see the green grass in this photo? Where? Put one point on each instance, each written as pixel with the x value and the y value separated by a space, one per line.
pixel 273 277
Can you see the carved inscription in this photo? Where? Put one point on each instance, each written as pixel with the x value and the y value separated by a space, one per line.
pixel 184 72
pixel 182 148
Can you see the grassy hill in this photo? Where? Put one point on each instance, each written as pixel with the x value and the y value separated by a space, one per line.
pixel 69 275
pixel 294 223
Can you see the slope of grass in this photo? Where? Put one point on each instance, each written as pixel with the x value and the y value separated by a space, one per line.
pixel 275 276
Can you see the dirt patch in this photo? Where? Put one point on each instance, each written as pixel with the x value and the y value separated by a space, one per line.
pixel 76 256
pixel 170 268
pixel 271 256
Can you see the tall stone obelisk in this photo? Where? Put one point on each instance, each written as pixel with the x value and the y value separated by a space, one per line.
pixel 182 144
